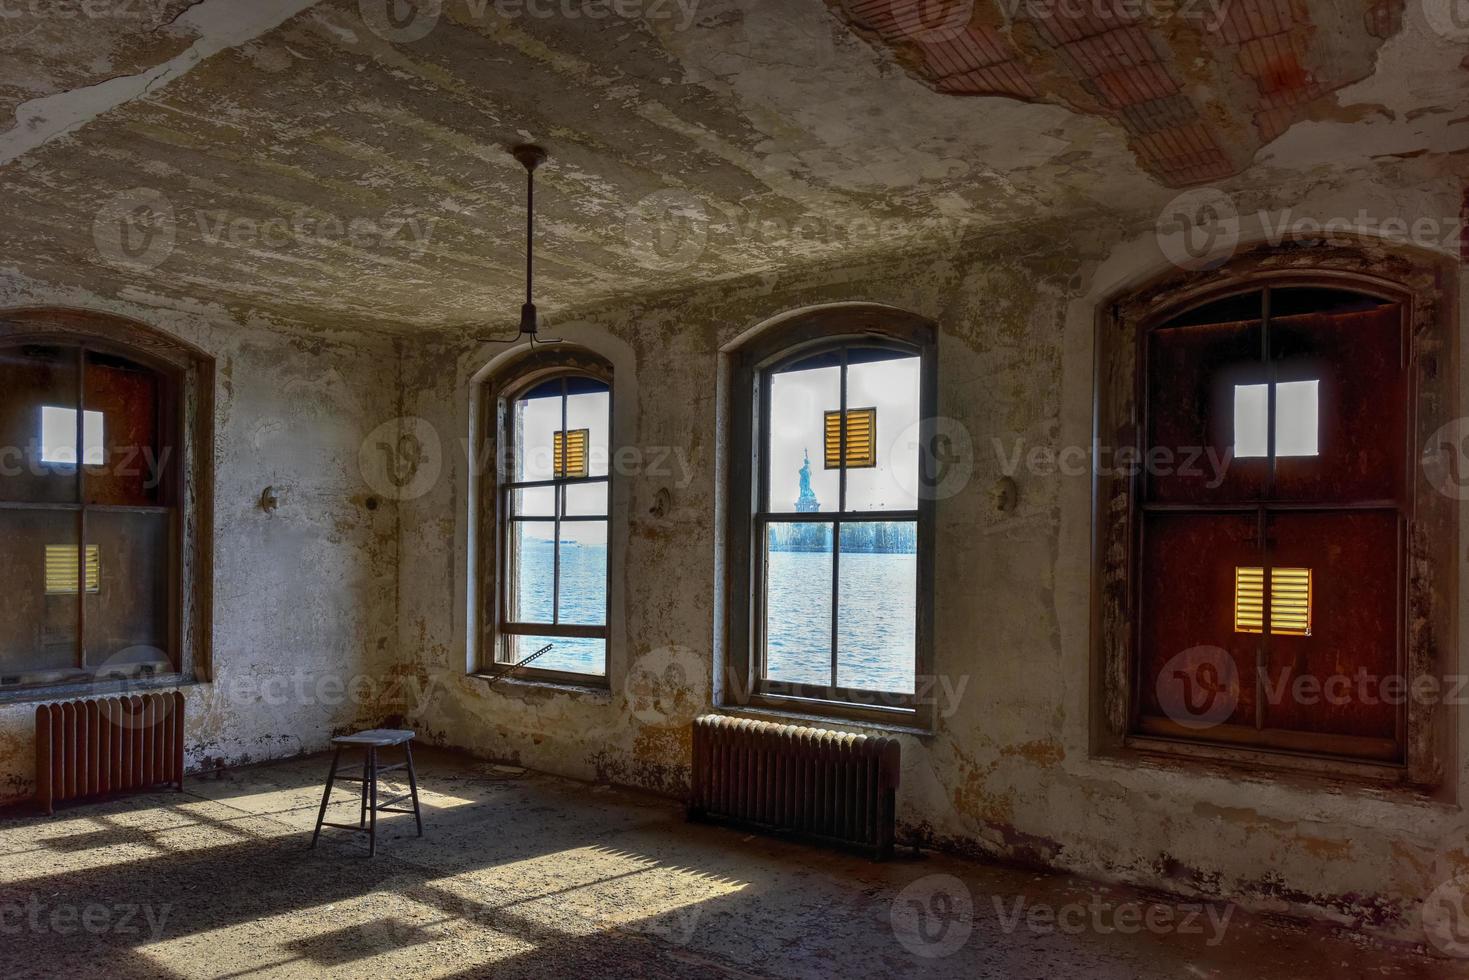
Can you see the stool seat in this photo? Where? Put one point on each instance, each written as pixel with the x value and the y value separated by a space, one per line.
pixel 369 742
pixel 377 737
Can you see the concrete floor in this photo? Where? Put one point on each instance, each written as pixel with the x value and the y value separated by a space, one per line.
pixel 524 875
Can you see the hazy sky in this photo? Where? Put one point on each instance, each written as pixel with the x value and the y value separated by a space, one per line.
pixel 540 419
pixel 1296 423
pixel 798 403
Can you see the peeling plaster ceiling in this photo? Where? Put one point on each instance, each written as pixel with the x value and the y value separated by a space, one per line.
pixel 1198 85
pixel 327 163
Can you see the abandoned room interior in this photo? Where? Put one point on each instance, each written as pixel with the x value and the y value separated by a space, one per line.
pixel 733 488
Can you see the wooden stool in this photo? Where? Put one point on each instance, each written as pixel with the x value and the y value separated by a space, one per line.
pixel 370 742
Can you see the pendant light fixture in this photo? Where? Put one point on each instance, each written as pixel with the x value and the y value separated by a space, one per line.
pixel 530 157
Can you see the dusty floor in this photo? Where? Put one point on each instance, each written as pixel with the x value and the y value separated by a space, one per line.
pixel 527 875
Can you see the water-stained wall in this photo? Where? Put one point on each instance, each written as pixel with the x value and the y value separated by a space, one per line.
pixel 304 634
pixel 1010 770
pixel 350 603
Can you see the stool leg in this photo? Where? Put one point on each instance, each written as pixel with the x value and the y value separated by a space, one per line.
pixel 326 796
pixel 413 786
pixel 372 816
pixel 366 758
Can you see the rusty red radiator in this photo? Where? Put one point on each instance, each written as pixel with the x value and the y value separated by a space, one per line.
pixel 108 745
pixel 811 782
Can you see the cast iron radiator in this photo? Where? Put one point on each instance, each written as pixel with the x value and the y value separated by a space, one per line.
pixel 108 745
pixel 814 783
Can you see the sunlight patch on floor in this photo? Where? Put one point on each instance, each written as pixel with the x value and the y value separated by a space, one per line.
pixel 383 933
pixel 585 890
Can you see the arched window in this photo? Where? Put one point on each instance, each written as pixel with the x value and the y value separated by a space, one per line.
pixel 1273 562
pixel 94 548
pixel 552 418
pixel 1284 545
pixel 832 534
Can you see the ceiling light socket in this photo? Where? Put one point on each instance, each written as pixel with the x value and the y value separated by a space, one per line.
pixel 530 155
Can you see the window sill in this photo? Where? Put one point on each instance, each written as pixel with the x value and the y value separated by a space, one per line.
pixel 81 690
pixel 589 689
pixel 788 715
pixel 1233 761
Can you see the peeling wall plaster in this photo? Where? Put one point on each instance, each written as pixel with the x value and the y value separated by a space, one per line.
pixel 304 637
pixel 327 589
pixel 1009 772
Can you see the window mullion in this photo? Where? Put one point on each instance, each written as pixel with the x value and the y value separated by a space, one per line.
pixel 1270 381
pixel 81 412
pixel 1262 647
pixel 560 496
pixel 836 528
pixel 836 591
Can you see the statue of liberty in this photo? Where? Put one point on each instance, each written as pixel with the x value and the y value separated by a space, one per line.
pixel 807 503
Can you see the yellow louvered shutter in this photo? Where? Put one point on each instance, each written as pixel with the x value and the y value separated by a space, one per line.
pixel 570 451
pixel 861 438
pixel 61 569
pixel 1290 600
pixel 1249 599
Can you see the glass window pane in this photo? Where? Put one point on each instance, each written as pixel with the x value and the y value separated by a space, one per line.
pixel 584 573
pixel 577 655
pixel 533 502
pixel 798 603
pixel 128 614
pixel 1295 418
pixel 877 611
pixel 800 397
pixel 889 386
pixel 589 407
pixel 38 393
pixel 38 626
pixel 125 464
pixel 535 418
pixel 532 570
pixel 59 436
pixel 586 500
pixel 1251 421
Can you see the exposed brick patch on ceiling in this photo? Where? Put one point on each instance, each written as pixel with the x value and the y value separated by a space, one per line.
pixel 1196 98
